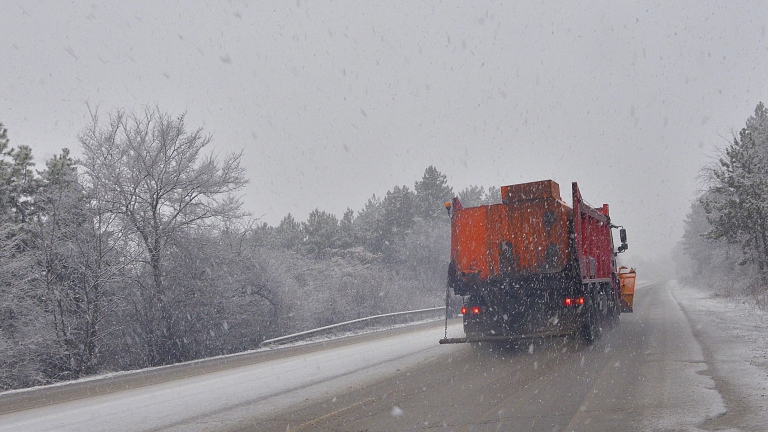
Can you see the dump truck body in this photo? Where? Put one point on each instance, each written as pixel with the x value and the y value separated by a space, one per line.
pixel 532 265
pixel 517 238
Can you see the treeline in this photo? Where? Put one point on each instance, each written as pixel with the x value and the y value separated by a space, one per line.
pixel 726 231
pixel 140 254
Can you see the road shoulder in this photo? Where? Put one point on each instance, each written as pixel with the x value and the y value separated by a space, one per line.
pixel 732 334
pixel 35 397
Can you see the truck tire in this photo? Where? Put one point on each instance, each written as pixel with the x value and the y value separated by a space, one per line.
pixel 591 328
pixel 614 308
pixel 602 306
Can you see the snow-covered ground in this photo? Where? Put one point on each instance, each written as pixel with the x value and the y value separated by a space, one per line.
pixel 220 397
pixel 733 335
pixel 330 335
pixel 685 360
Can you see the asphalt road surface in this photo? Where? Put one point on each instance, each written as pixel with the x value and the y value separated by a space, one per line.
pixel 643 375
pixel 646 374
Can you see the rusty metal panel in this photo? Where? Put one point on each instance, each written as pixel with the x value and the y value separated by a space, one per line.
pixel 528 191
pixel 521 238
pixel 535 237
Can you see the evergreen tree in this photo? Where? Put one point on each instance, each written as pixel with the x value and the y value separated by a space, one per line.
pixel 368 224
pixel 26 344
pixel 432 192
pixel 75 247
pixel 18 182
pixel 5 171
pixel 735 202
pixel 289 235
pixel 399 213
pixel 472 196
pixel 493 196
pixel 321 232
pixel 347 230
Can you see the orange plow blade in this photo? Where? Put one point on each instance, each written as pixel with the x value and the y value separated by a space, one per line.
pixel 627 285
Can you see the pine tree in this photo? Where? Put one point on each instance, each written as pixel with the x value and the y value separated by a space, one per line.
pixel 432 192
pixel 399 213
pixel 367 225
pixel 472 196
pixel 321 232
pixel 735 202
pixel 18 182
pixel 289 235
pixel 5 171
pixel 76 246
pixel 493 196
pixel 346 229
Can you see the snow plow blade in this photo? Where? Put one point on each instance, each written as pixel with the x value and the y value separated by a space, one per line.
pixel 627 283
pixel 502 338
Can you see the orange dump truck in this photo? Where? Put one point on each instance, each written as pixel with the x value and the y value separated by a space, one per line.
pixel 533 266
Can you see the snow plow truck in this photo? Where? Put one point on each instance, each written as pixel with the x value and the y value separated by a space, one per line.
pixel 532 266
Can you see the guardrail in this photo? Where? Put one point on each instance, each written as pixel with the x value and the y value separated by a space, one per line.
pixel 23 399
pixel 383 317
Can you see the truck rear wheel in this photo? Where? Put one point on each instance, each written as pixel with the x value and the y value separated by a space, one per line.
pixel 602 305
pixel 614 308
pixel 591 328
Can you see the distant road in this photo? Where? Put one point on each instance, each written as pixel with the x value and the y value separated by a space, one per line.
pixel 647 374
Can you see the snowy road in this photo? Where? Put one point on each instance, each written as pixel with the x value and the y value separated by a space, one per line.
pixel 210 401
pixel 648 374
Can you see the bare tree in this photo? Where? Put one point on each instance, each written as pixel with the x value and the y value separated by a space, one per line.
pixel 77 248
pixel 157 176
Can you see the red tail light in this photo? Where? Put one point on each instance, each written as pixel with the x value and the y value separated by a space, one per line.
pixel 474 310
pixel 568 302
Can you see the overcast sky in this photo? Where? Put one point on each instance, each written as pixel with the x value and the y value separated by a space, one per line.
pixel 332 102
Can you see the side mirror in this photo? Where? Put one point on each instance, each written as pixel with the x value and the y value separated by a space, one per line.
pixel 623 236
